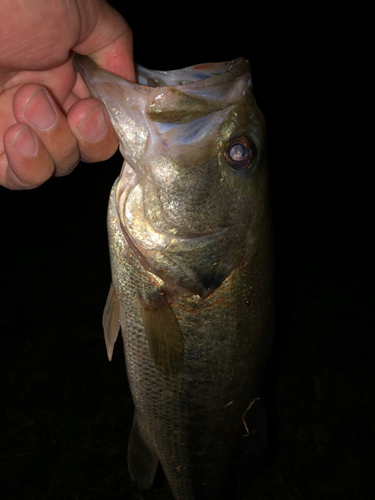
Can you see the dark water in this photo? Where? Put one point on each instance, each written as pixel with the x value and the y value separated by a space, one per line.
pixel 66 412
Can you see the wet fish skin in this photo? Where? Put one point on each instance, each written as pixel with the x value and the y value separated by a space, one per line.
pixel 192 268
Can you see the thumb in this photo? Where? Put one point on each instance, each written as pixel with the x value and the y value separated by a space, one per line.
pixel 106 37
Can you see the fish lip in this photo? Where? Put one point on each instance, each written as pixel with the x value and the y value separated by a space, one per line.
pixel 203 74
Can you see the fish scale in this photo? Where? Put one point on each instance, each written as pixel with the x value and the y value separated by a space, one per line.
pixel 195 309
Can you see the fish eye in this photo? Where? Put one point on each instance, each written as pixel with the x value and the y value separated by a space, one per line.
pixel 240 153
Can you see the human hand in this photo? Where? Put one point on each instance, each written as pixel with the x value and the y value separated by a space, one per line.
pixel 48 122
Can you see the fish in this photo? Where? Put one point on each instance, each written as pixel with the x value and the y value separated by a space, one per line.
pixel 190 241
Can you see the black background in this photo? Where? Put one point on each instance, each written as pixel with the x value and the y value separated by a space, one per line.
pixel 66 412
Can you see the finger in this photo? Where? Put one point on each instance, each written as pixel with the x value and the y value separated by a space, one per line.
pixel 34 106
pixel 107 38
pixel 90 123
pixel 26 163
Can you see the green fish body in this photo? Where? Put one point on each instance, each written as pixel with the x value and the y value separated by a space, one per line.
pixel 190 241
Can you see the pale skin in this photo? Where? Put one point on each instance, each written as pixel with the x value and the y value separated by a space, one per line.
pixel 48 122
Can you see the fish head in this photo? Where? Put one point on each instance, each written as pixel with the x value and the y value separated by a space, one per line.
pixel 193 190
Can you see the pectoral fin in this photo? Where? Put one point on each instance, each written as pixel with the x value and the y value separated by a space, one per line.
pixel 164 335
pixel 111 321
pixel 142 464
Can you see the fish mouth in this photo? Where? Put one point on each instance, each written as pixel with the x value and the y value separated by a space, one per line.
pixel 193 76
pixel 161 102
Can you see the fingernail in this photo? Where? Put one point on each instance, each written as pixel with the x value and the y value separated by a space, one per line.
pixel 93 126
pixel 39 111
pixel 26 143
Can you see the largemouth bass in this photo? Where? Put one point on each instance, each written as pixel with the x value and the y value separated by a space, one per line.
pixel 191 254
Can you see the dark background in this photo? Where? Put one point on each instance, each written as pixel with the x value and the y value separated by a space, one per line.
pixel 66 412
